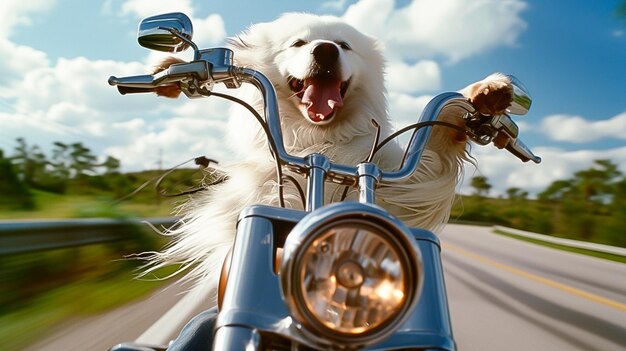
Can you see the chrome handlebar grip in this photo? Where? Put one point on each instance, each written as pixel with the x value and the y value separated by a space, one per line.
pixel 521 151
pixel 143 81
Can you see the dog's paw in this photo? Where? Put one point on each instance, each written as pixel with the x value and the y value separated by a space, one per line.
pixel 492 95
pixel 172 90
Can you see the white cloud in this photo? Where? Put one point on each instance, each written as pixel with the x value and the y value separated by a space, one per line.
pixel 77 80
pixel 455 29
pixel 370 16
pixel 69 100
pixel 19 59
pixel 146 8
pixel 405 109
pixel 180 138
pixel 335 5
pixel 577 129
pixel 505 171
pixel 209 31
pixel 422 76
pixel 18 12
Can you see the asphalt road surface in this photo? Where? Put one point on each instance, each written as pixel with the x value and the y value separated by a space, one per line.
pixel 504 294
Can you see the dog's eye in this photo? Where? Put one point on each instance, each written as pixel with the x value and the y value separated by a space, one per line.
pixel 298 43
pixel 344 45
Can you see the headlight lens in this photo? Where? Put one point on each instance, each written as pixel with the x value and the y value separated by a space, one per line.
pixel 353 279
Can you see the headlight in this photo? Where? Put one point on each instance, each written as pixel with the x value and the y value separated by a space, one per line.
pixel 350 272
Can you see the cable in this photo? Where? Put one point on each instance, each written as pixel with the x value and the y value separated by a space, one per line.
pixel 376 139
pixel 417 126
pixel 150 181
pixel 298 187
pixel 270 140
pixel 201 161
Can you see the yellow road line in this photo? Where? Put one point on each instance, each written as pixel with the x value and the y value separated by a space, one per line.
pixel 562 287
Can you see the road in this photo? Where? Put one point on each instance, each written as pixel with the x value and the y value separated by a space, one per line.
pixel 504 294
pixel 101 332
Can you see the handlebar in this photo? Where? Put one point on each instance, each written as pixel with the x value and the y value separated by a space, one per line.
pixel 196 78
pixel 521 151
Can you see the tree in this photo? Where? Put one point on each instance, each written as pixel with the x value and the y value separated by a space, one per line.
pixel 578 201
pixel 481 185
pixel 596 184
pixel 60 161
pixel 516 194
pixel 13 192
pixel 29 162
pixel 111 165
pixel 82 161
pixel 557 191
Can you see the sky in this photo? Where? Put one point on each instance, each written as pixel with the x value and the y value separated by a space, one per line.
pixel 56 57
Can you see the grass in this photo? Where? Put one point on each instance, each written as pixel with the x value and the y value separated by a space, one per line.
pixel 606 256
pixel 97 285
pixel 24 326
pixel 50 205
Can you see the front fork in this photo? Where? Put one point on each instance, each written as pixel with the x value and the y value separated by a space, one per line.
pixel 252 299
pixel 236 338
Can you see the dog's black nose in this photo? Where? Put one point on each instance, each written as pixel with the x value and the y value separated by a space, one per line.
pixel 326 54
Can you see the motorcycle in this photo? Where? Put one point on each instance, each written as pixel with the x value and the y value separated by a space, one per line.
pixel 351 275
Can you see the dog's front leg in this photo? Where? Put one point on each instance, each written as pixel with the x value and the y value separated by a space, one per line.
pixel 171 90
pixel 490 96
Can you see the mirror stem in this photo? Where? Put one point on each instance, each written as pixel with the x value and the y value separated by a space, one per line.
pixel 196 51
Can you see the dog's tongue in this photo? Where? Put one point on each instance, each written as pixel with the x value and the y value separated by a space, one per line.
pixel 321 98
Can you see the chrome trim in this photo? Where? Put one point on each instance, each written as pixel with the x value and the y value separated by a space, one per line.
pixel 307 230
pixel 318 165
pixel 431 112
pixel 369 175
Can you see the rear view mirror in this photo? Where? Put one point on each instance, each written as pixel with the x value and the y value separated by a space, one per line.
pixel 157 32
pixel 521 98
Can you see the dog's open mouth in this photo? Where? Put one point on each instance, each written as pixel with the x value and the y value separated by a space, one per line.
pixel 320 97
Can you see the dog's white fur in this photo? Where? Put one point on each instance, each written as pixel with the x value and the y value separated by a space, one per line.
pixel 207 227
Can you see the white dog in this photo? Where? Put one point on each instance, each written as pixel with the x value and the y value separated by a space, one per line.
pixel 329 79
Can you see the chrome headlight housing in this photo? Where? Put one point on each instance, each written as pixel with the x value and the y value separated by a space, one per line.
pixel 350 273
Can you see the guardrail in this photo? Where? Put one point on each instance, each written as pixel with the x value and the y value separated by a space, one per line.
pixel 21 236
pixel 619 251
